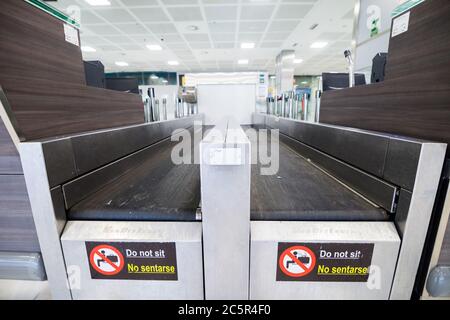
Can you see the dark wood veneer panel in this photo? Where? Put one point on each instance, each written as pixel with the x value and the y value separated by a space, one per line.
pixel 43 78
pixel 9 157
pixel 17 230
pixel 414 100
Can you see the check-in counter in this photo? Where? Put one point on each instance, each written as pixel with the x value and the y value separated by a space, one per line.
pixel 346 214
pixel 115 216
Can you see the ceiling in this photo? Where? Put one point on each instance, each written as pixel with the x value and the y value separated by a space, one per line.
pixel 122 30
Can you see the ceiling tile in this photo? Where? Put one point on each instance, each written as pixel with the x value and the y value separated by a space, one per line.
pixel 140 3
pixel 283 26
pixel 170 38
pixel 256 12
pixel 179 2
pixel 293 11
pixel 185 13
pixel 277 36
pixel 162 28
pixel 221 13
pixel 102 29
pixel 150 14
pixel 132 28
pixel 131 47
pixel 224 45
pixel 118 39
pixel 220 27
pixel 109 48
pixel 87 17
pixel 196 37
pixel 200 45
pixel 252 26
pixel 115 15
pixel 271 44
pixel 223 37
pixel 219 1
pixel 249 37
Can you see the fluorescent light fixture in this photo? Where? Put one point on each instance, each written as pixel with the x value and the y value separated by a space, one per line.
pixel 173 63
pixel 122 64
pixel 164 81
pixel 319 45
pixel 297 61
pixel 304 82
pixel 154 47
pixel 87 49
pixel 243 61
pixel 247 45
pixel 154 77
pixel 98 2
pixel 273 77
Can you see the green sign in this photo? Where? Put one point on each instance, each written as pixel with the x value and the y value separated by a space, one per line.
pixel 54 12
pixel 408 5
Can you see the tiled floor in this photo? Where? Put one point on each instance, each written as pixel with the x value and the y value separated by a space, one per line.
pixel 24 290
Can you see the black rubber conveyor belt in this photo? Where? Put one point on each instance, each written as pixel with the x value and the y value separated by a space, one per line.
pixel 301 191
pixel 155 189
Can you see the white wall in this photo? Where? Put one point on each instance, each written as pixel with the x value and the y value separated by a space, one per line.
pixel 161 92
pixel 218 101
pixel 367 47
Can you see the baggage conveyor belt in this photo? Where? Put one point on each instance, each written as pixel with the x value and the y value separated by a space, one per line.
pixel 300 191
pixel 155 189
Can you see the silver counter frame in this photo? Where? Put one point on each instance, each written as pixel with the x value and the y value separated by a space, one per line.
pixel 418 183
pixel 46 171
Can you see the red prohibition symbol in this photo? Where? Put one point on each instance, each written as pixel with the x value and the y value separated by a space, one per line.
pixel 297 261
pixel 106 260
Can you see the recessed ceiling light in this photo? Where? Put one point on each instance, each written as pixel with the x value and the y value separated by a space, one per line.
pixel 87 49
pixel 192 28
pixel 243 61
pixel 247 45
pixel 154 47
pixel 122 64
pixel 297 61
pixel 173 63
pixel 319 45
pixel 98 2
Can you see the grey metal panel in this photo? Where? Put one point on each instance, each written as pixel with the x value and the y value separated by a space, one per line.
pixel 423 196
pixel 22 266
pixel 112 145
pixel 35 172
pixel 80 188
pixel 359 149
pixel 58 206
pixel 402 160
pixel 187 237
pixel 401 215
pixel 59 161
pixel 266 235
pixel 69 157
pixel 376 190
pixel 387 156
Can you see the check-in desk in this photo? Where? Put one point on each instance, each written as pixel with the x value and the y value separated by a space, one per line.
pixel 344 217
pixel 115 216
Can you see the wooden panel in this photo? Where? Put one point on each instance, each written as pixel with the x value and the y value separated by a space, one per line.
pixel 17 230
pixel 414 99
pixel 444 258
pixel 9 157
pixel 43 77
pixel 71 108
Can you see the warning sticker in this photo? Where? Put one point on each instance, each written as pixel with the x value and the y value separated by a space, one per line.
pixel 336 262
pixel 132 260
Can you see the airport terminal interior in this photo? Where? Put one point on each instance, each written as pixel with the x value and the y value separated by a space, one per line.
pixel 224 150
